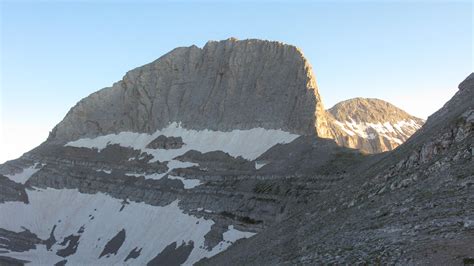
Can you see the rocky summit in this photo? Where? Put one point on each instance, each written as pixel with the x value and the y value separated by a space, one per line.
pixel 225 155
pixel 225 85
pixel 371 125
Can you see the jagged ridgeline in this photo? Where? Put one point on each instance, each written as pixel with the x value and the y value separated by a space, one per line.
pixel 231 85
pixel 198 149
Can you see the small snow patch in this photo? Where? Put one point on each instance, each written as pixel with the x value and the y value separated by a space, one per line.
pixel 233 234
pixel 104 171
pixel 188 183
pixel 24 175
pixel 259 165
pixel 229 238
pixel 249 143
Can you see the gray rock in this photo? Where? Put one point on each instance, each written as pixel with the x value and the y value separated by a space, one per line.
pixel 173 255
pixel 366 113
pixel 18 241
pixel 163 142
pixel 421 219
pixel 225 85
pixel 114 244
pixel 314 202
pixel 11 191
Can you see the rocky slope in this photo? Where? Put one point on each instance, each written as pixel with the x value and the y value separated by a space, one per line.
pixel 408 206
pixel 197 151
pixel 371 125
pixel 114 204
pixel 182 148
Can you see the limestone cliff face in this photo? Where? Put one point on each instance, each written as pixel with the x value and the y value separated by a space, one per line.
pixel 229 85
pixel 371 125
pixel 225 85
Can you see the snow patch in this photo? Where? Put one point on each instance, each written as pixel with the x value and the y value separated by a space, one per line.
pixel 188 183
pixel 259 165
pixel 249 143
pixel 397 132
pixel 204 210
pixel 104 171
pixel 155 176
pixel 232 235
pixel 151 228
pixel 24 175
pixel 173 164
pixel 343 127
pixel 135 174
pixel 229 238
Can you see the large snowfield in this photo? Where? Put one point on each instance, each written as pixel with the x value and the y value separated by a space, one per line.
pixel 97 218
pixel 249 143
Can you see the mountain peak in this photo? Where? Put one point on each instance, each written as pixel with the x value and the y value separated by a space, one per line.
pixel 369 110
pixel 226 85
pixel 371 125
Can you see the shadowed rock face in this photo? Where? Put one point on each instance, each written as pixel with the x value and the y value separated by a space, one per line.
pixel 407 206
pixel 223 86
pixel 11 261
pixel 172 255
pixel 18 241
pixel 71 243
pixel 114 244
pixel 134 253
pixel 163 142
pixel 11 191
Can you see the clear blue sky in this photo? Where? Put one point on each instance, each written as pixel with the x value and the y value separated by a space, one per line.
pixel 53 53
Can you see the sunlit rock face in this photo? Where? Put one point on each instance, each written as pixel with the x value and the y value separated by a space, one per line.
pixel 371 125
pixel 223 86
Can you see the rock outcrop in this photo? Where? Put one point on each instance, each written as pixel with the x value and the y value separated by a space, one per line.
pixel 407 206
pixel 225 85
pixel 371 125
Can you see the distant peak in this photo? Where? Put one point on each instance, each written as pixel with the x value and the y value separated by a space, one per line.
pixel 226 85
pixel 369 110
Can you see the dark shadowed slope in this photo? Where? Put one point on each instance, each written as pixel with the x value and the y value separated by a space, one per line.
pixel 412 205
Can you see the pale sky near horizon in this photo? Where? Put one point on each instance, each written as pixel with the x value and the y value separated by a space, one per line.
pixel 53 53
